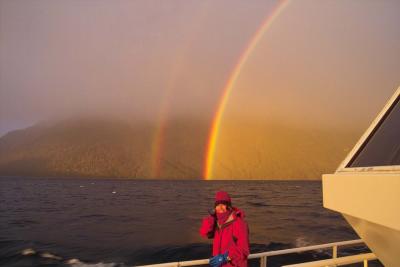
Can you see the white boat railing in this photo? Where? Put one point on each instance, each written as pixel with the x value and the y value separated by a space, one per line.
pixel 338 261
pixel 263 256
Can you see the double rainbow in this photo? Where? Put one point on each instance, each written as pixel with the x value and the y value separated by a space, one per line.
pixel 208 168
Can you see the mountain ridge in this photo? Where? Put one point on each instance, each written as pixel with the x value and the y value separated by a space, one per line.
pixel 106 148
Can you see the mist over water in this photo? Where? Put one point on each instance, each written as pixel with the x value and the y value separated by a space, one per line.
pixel 129 222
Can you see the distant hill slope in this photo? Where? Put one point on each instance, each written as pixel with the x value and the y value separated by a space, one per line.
pixel 109 148
pixel 278 151
pixel 75 148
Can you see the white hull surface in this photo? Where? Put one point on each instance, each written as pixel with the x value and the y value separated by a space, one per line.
pixel 371 205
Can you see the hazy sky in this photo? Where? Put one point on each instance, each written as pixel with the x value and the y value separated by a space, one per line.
pixel 333 62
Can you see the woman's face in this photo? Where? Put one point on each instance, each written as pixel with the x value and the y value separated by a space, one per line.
pixel 220 208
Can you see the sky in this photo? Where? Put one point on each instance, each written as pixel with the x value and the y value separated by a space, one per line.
pixel 128 58
pixel 119 57
pixel 319 64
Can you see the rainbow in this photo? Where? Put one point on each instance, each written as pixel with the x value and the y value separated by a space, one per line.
pixel 157 145
pixel 230 83
pixel 159 136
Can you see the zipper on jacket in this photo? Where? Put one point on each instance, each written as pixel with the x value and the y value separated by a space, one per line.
pixel 220 239
pixel 220 229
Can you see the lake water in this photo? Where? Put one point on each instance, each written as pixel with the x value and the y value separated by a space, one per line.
pixel 100 222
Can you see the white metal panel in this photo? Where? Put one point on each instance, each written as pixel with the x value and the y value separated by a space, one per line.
pixel 372 197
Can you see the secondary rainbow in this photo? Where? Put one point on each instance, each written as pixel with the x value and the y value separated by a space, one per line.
pixel 157 146
pixel 159 136
pixel 215 126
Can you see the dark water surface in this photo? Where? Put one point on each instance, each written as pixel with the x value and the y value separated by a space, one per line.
pixel 101 222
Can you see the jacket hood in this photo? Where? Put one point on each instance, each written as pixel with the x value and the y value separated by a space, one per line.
pixel 222 197
pixel 238 213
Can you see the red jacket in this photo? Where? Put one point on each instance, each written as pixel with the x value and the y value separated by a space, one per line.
pixel 232 236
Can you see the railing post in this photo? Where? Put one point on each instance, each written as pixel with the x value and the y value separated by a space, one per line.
pixel 334 252
pixel 263 261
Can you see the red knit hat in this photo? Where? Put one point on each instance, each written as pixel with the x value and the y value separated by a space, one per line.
pixel 222 197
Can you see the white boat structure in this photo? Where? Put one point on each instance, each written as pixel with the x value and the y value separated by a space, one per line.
pixel 366 186
pixel 366 190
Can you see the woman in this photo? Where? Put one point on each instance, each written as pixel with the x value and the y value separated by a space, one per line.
pixel 230 232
